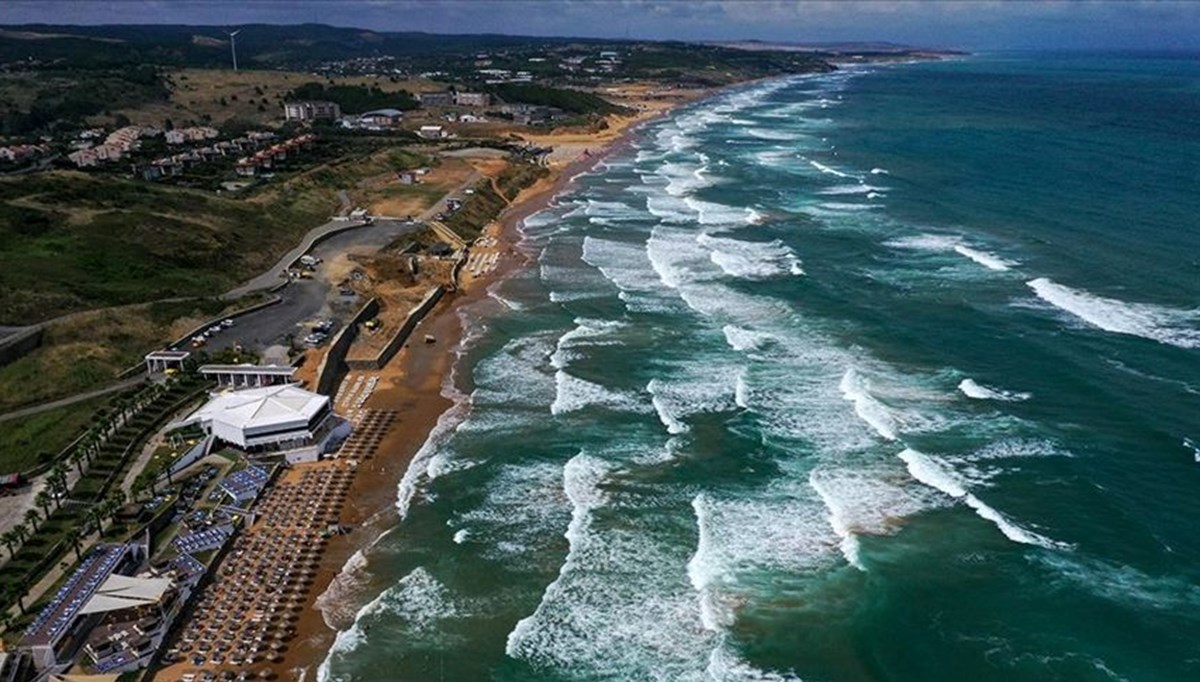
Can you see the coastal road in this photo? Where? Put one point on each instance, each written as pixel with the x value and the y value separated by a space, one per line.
pixel 308 300
pixel 274 275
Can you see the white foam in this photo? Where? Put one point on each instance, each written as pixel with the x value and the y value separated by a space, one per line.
pixel 725 666
pixel 855 188
pixel 879 171
pixel 751 260
pixel 1171 326
pixel 622 263
pixel 670 209
pixel 939 242
pixel 696 388
pixel 702 571
pixel 663 408
pixel 776 529
pixel 977 391
pixel 712 213
pixel 332 603
pixel 741 391
pixel 937 475
pixel 856 389
pixel 419 599
pixel 987 260
pixel 620 607
pixel 573 393
pixel 494 293
pixel 586 331
pixel 742 339
pixel 827 169
pixel 864 499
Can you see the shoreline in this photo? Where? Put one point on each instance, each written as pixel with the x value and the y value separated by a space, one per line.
pixel 420 385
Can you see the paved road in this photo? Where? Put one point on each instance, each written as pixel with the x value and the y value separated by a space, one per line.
pixel 274 276
pixel 78 398
pixel 305 301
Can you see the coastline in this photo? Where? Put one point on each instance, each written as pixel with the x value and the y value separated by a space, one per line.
pixel 419 384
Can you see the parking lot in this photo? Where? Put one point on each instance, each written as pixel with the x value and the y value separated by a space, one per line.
pixel 308 301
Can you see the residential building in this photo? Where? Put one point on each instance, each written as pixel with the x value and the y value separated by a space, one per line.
pixel 22 152
pixel 443 98
pixel 311 111
pixel 382 118
pixel 431 132
pixel 472 99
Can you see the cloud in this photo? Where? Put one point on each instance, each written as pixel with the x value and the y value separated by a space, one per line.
pixel 972 24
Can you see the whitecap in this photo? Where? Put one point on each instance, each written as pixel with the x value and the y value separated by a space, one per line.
pixel 1171 326
pixel 973 389
pixel 936 475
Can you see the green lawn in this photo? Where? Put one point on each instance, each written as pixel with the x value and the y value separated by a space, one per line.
pixel 23 442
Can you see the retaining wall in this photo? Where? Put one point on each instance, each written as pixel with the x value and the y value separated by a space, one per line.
pixel 19 343
pixel 334 363
pixel 397 341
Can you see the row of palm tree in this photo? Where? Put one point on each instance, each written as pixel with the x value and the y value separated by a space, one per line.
pixel 105 424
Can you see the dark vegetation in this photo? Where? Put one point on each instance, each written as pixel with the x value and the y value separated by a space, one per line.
pixel 70 241
pixel 573 101
pixel 61 98
pixel 354 99
pixel 485 204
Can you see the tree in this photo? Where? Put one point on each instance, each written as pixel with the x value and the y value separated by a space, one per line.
pixel 44 499
pixel 32 518
pixel 21 530
pixel 76 458
pixel 15 594
pixel 10 540
pixel 73 536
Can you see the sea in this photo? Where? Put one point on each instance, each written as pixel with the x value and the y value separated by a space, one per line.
pixel 890 373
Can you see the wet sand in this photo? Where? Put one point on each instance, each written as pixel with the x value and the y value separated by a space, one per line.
pixel 411 385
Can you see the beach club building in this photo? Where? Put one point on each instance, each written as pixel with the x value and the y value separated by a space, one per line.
pixel 285 420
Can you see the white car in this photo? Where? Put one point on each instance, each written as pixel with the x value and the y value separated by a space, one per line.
pixel 227 323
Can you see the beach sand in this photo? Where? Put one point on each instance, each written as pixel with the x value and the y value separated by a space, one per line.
pixel 411 385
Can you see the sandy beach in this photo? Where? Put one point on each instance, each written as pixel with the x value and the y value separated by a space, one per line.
pixel 412 387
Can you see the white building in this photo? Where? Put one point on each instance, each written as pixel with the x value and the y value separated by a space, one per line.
pixel 432 132
pixel 273 419
pixel 311 111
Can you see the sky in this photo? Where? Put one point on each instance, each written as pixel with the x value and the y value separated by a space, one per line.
pixel 973 24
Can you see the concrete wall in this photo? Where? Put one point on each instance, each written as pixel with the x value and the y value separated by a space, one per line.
pixel 397 341
pixel 334 364
pixel 19 343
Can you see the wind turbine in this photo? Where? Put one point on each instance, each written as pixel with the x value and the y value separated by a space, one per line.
pixel 233 47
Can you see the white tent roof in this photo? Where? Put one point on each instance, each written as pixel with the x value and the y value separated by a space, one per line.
pixel 123 592
pixel 262 407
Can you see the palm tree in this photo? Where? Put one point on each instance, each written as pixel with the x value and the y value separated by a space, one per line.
pixel 43 499
pixel 73 536
pixel 31 518
pixel 9 539
pixel 21 529
pixel 76 458
pixel 91 520
pixel 16 595
pixel 58 479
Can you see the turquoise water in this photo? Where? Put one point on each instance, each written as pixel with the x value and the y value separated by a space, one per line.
pixel 886 374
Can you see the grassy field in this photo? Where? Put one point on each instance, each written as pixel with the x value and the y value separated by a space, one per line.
pixel 216 96
pixel 27 442
pixel 72 241
pixel 88 350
